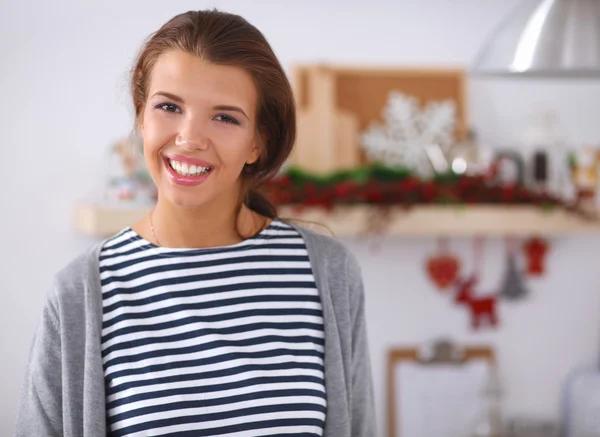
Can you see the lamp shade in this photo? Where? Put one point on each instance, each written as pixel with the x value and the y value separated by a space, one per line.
pixel 547 38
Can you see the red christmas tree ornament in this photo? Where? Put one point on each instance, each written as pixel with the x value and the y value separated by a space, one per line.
pixel 535 251
pixel 443 267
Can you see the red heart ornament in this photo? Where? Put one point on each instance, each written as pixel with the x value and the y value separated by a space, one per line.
pixel 443 270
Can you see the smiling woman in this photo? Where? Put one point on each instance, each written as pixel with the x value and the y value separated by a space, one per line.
pixel 210 316
pixel 199 128
pixel 205 103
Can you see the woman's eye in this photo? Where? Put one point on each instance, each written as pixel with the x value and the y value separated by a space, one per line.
pixel 168 107
pixel 226 119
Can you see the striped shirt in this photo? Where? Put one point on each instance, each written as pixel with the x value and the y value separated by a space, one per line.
pixel 224 341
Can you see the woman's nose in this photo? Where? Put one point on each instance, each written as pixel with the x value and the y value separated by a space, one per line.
pixel 188 143
pixel 191 136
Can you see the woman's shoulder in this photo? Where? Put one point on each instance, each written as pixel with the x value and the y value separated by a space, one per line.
pixel 325 249
pixel 77 275
pixel 336 269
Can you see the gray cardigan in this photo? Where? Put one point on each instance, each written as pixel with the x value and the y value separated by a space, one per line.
pixel 63 392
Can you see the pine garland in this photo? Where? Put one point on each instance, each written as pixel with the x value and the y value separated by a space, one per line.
pixel 386 186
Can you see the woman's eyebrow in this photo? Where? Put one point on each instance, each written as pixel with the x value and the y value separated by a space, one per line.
pixel 168 96
pixel 231 108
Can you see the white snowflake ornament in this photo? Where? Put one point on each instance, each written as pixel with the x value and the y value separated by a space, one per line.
pixel 410 133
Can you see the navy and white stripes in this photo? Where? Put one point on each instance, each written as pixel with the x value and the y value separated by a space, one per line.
pixel 212 342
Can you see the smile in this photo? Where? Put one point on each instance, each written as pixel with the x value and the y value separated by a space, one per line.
pixel 185 169
pixel 183 172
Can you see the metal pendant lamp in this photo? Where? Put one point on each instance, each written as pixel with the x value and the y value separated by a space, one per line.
pixel 547 38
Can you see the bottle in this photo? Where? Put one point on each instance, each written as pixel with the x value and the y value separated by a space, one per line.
pixel 489 422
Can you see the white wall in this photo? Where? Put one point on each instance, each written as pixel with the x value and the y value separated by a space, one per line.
pixel 63 91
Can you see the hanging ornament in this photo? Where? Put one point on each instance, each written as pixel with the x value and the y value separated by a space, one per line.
pixel 443 267
pixel 483 309
pixel 535 251
pixel 513 286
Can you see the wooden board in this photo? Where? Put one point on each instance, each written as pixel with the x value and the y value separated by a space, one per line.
pixel 336 104
pixel 327 136
pixel 364 91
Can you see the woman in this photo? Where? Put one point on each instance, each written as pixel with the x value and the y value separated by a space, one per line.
pixel 210 316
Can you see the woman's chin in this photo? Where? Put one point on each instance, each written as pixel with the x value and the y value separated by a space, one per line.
pixel 198 196
pixel 186 200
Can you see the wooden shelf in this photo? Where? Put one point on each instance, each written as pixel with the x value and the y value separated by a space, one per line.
pixel 454 221
pixel 355 220
pixel 104 221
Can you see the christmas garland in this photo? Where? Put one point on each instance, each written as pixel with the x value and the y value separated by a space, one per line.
pixel 385 186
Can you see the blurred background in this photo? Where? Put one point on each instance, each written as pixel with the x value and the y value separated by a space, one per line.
pixel 64 83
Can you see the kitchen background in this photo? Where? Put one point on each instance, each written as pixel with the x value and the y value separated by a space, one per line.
pixel 63 80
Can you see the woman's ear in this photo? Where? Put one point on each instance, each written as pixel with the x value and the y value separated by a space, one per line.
pixel 258 148
pixel 254 155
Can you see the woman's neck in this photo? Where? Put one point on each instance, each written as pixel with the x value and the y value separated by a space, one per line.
pixel 170 225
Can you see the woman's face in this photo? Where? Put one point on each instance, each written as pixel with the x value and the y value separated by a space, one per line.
pixel 199 129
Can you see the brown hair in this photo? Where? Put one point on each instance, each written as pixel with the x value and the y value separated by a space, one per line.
pixel 228 39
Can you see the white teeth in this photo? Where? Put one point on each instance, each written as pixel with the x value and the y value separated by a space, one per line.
pixel 185 169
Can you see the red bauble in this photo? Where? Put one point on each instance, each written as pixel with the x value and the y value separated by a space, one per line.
pixel 408 184
pixel 443 270
pixel 310 189
pixel 508 193
pixel 429 191
pixel 284 180
pixel 342 190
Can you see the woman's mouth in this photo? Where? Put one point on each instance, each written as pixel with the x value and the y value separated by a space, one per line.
pixel 185 169
pixel 186 173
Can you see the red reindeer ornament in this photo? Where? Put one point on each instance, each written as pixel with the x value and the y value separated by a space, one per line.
pixel 482 308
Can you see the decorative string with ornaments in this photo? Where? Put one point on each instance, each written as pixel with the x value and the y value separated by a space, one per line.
pixel 443 268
